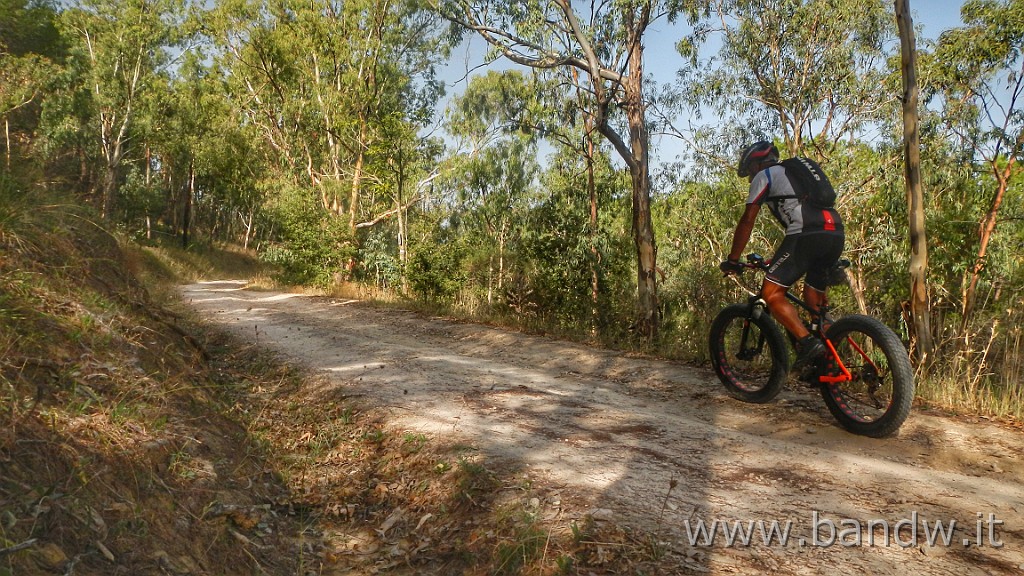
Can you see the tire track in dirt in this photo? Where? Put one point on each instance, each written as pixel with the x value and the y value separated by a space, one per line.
pixel 613 432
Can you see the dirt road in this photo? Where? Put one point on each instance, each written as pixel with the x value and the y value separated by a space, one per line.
pixel 658 445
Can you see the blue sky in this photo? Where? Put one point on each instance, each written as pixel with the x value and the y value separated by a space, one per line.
pixel 663 60
pixel 931 17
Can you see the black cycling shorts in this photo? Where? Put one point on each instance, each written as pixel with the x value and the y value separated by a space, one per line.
pixel 810 254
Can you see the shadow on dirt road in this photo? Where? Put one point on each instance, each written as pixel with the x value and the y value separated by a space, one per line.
pixel 658 446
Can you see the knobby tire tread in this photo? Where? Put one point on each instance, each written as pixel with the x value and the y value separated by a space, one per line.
pixel 774 341
pixel 901 373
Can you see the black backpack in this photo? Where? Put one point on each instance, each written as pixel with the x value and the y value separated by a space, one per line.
pixel 810 182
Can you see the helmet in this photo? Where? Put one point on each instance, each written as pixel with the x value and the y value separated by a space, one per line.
pixel 755 154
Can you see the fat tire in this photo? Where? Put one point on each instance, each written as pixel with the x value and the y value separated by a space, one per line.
pixel 900 372
pixel 721 358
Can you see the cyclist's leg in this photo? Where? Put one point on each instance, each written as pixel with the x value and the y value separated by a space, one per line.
pixel 788 265
pixel 823 254
pixel 775 296
pixel 813 296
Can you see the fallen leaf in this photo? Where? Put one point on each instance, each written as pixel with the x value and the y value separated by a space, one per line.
pixel 423 520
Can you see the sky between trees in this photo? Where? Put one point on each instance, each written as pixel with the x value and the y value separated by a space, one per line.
pixel 931 17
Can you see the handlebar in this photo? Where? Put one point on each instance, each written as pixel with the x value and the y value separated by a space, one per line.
pixel 756 261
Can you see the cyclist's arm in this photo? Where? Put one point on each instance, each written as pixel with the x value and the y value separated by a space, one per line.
pixel 743 230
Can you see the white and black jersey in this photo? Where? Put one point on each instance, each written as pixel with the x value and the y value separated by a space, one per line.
pixel 772 187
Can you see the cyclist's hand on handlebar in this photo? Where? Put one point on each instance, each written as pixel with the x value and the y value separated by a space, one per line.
pixel 731 267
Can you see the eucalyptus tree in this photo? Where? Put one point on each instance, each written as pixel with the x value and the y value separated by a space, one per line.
pixel 30 50
pixel 121 48
pixel 491 122
pixel 978 70
pixel 209 161
pixel 919 301
pixel 408 165
pixel 809 71
pixel 605 45
pixel 325 82
pixel 495 195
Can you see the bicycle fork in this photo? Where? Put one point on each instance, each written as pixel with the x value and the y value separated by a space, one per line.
pixel 747 352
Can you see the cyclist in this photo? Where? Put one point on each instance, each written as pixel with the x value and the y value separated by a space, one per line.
pixel 813 244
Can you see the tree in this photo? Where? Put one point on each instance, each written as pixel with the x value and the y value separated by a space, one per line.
pixel 979 69
pixel 338 92
pixel 806 70
pixel 122 46
pixel 325 83
pixel 493 178
pixel 29 48
pixel 209 161
pixel 920 315
pixel 607 49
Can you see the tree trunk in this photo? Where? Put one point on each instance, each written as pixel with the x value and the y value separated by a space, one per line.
pixel 247 221
pixel 919 304
pixel 109 197
pixel 403 232
pixel 357 175
pixel 594 254
pixel 857 290
pixel 490 279
pixel 985 229
pixel 501 256
pixel 186 217
pixel 648 320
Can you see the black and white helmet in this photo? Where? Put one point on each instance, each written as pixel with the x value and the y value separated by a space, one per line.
pixel 755 154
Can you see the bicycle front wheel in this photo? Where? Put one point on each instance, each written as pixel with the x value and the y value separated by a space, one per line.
pixel 877 398
pixel 748 354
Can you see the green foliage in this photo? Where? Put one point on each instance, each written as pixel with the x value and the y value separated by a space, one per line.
pixel 436 271
pixel 495 102
pixel 140 201
pixel 695 224
pixel 522 545
pixel 312 247
pixel 119 51
pixel 334 92
pixel 31 50
pixel 798 69
pixel 561 252
pixel 296 127
pixel 379 260
pixel 28 27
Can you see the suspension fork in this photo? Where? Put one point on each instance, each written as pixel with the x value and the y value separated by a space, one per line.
pixel 757 307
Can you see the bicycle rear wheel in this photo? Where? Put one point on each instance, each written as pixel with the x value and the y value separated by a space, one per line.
pixel 748 354
pixel 877 399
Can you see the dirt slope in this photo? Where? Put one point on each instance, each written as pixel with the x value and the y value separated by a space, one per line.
pixel 657 445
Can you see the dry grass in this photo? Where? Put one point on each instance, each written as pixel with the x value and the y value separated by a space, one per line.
pixel 103 392
pixel 978 371
pixel 177 265
pixel 133 443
